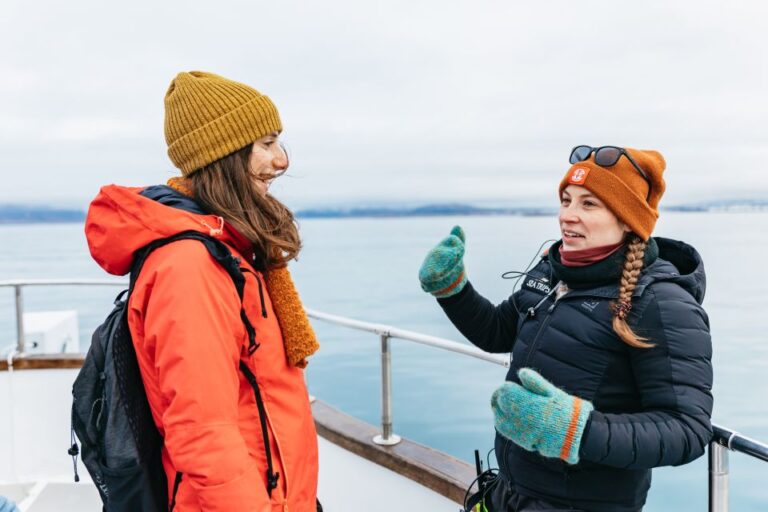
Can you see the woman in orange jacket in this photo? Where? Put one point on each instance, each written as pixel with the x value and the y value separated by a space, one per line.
pixel 194 352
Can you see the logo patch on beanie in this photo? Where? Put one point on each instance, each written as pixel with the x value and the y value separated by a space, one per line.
pixel 578 176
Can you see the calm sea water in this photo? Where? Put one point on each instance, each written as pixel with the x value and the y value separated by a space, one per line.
pixel 366 269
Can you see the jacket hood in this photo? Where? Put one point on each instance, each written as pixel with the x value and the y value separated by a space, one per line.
pixel 681 264
pixel 122 220
pixel 164 194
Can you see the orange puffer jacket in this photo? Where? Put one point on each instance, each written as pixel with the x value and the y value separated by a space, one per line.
pixel 184 316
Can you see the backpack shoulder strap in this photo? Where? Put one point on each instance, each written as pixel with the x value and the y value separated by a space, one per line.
pixel 219 252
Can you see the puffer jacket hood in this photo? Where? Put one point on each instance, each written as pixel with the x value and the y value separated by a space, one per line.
pixel 681 264
pixel 666 260
pixel 122 220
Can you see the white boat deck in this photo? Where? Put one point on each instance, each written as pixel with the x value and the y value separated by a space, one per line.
pixel 347 482
pixel 37 472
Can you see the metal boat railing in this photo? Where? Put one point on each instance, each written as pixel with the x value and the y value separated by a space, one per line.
pixel 723 441
pixel 19 284
pixel 386 333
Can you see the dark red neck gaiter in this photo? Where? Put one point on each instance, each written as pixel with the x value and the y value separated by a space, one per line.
pixel 584 257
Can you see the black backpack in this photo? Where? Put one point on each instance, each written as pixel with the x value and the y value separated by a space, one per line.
pixel 119 443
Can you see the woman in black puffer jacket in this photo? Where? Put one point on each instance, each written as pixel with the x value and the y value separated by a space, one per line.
pixel 611 354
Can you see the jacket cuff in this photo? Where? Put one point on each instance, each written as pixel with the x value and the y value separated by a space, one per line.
pixel 452 300
pixel 593 446
pixel 576 429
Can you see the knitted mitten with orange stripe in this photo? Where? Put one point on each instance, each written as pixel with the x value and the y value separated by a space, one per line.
pixel 442 273
pixel 540 417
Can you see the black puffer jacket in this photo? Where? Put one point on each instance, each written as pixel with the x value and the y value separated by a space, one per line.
pixel 652 406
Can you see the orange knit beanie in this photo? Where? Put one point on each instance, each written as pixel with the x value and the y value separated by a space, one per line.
pixel 623 189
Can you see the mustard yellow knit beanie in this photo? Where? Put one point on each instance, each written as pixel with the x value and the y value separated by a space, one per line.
pixel 208 117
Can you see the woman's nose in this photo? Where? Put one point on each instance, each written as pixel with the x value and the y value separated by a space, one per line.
pixel 568 215
pixel 280 160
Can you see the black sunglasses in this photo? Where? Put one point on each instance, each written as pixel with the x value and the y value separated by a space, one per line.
pixel 607 156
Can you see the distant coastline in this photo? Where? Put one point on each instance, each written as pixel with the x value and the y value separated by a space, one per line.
pixel 432 210
pixel 27 214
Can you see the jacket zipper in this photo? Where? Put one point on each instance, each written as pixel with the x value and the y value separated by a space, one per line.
pixel 571 294
pixel 261 290
pixel 544 323
pixel 280 457
pixel 282 461
pixel 252 380
pixel 261 297
pixel 273 477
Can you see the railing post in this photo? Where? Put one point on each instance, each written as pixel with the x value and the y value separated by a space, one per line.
pixel 718 477
pixel 19 318
pixel 387 438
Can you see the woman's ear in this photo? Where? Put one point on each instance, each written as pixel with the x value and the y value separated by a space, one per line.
pixel 625 228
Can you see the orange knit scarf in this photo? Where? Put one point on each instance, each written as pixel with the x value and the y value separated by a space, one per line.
pixel 298 336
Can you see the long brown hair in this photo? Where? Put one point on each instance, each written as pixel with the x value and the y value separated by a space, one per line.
pixel 633 264
pixel 227 188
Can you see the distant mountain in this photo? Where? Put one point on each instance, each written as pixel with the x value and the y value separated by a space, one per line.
pixel 448 209
pixel 724 205
pixel 432 210
pixel 19 214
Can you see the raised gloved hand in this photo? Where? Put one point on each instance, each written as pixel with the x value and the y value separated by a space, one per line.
pixel 442 273
pixel 7 505
pixel 538 416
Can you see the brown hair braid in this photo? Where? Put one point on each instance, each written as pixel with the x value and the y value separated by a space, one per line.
pixel 633 264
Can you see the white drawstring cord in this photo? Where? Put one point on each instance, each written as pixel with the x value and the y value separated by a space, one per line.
pixel 215 231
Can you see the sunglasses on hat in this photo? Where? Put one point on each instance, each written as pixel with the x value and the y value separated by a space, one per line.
pixel 607 156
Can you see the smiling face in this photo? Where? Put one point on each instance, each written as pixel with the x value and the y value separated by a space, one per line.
pixel 585 221
pixel 267 161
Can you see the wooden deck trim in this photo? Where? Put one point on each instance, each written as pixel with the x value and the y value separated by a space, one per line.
pixel 433 469
pixel 44 362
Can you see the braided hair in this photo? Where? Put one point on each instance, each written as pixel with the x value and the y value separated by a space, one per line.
pixel 633 264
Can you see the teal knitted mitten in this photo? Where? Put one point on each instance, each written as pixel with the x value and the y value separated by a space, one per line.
pixel 442 273
pixel 540 417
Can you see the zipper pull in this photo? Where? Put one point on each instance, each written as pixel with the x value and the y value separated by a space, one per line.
pixel 532 311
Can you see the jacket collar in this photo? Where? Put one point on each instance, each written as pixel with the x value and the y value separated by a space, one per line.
pixel 675 262
pixel 605 272
pixel 169 196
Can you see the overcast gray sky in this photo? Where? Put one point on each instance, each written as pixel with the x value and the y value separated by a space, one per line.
pixel 397 101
